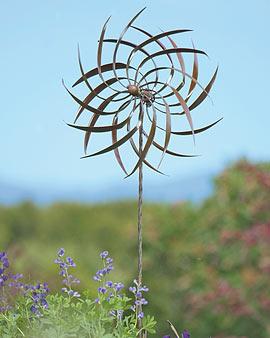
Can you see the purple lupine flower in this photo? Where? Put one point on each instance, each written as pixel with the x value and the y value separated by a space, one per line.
pixel 185 334
pixel 34 309
pixel 68 279
pixel 118 286
pixel 102 290
pixel 8 279
pixel 44 303
pixel 109 260
pixel 140 315
pixel 2 281
pixel 110 296
pixel 120 314
pixel 144 288
pixel 108 269
pixel 63 265
pixel 15 281
pixel 17 276
pixel 100 273
pixel 37 294
pixel 4 264
pixel 62 272
pixel 73 293
pixel 70 262
pixel 167 336
pixel 144 301
pixel 132 289
pixel 109 284
pixel 139 299
pixel 46 286
pixel 133 308
pixel 104 254
pixel 61 252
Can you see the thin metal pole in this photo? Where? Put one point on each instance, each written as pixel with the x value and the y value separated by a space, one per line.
pixel 140 198
pixel 140 201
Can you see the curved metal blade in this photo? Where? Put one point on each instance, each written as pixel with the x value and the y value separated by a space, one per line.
pixel 136 150
pixel 162 35
pixel 195 74
pixel 158 146
pixel 132 45
pixel 94 119
pixel 204 94
pixel 171 51
pixel 90 108
pixel 170 152
pixel 129 44
pixel 177 70
pixel 101 129
pixel 119 41
pixel 90 97
pixel 186 110
pixel 87 135
pixel 189 132
pixel 84 77
pixel 165 52
pixel 183 71
pixel 181 63
pixel 163 48
pixel 99 55
pixel 168 131
pixel 196 131
pixel 148 142
pixel 105 68
pixel 116 144
pixel 116 150
pixel 154 38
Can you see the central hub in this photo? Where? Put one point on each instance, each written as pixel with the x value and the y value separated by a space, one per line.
pixel 146 95
pixel 133 90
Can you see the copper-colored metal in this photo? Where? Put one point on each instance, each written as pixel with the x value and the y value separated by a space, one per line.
pixel 138 90
pixel 141 92
pixel 133 90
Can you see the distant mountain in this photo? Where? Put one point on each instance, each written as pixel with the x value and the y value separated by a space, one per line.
pixel 191 188
pixel 11 194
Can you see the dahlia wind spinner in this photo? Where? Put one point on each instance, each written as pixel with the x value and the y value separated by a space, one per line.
pixel 139 98
pixel 142 97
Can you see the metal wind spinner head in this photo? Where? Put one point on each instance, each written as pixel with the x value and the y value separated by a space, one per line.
pixel 141 96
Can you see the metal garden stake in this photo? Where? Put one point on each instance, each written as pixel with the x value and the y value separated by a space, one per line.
pixel 142 93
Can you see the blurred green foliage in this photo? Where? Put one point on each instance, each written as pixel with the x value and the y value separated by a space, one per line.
pixel 207 266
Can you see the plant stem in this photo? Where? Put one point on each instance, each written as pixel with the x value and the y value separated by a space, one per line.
pixel 140 200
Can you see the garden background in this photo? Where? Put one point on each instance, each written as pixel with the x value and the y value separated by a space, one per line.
pixel 206 226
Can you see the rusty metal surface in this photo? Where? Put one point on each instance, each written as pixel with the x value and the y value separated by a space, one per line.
pixel 133 94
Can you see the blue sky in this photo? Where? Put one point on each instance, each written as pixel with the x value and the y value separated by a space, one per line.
pixel 38 47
